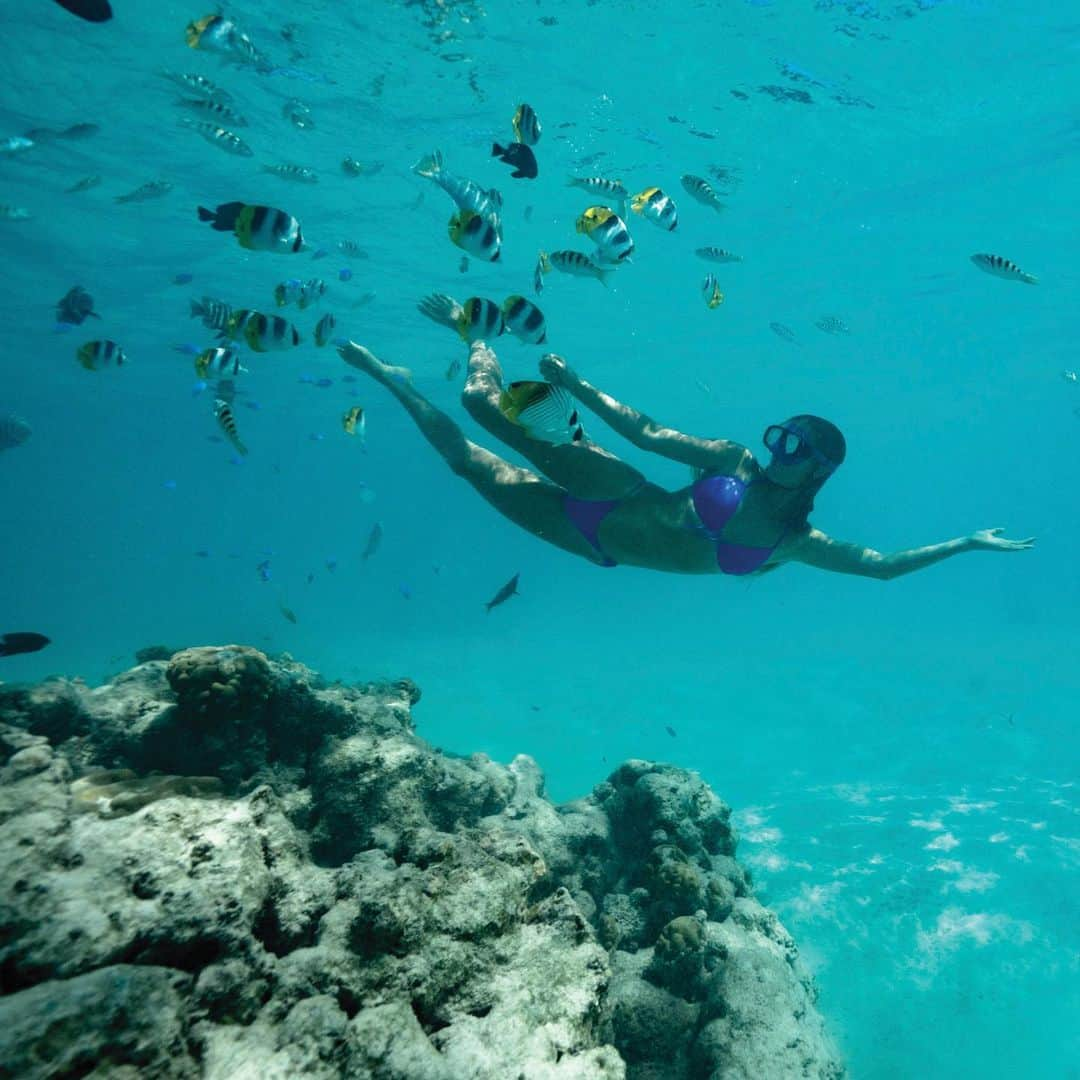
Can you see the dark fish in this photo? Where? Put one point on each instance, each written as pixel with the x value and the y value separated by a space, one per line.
pixel 10 644
pixel 75 306
pixel 288 613
pixel 504 594
pixel 782 331
pixel 14 431
pixel 373 541
pixel 520 156
pixel 670 730
pixel 90 10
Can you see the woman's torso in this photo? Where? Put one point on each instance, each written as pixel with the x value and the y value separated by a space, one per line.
pixel 664 530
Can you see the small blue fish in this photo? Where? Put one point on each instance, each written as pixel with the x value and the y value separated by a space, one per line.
pixel 316 436
pixel 320 253
pixel 63 327
pixel 187 349
pixel 169 485
pixel 183 279
pixel 251 403
pixel 331 565
pixel 264 570
pixel 405 591
pixel 202 553
pixel 236 459
pixel 347 378
pixel 198 388
pixel 325 383
pixel 344 274
pixel 306 379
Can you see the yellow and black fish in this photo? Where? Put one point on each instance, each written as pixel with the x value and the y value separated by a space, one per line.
pixel 526 125
pixel 476 234
pixel 659 208
pixel 263 333
pixel 546 412
pixel 219 136
pixel 324 328
pixel 354 422
pixel 258 228
pixel 227 422
pixel 524 320
pixel 219 362
pixel 480 320
pixel 608 231
pixel 95 355
pixel 1003 268
pixel 576 264
pixel 710 289
pixel 699 188
pixel 216 33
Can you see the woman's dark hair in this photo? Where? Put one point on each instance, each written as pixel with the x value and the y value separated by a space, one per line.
pixel 828 441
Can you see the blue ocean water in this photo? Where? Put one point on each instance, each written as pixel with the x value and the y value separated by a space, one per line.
pixel 902 756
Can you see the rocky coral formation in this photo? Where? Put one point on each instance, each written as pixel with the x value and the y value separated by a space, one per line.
pixel 278 878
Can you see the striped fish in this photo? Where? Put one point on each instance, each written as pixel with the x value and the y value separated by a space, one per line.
pixel 300 174
pixel 263 333
pixel 466 193
pixel 524 320
pixel 215 314
pixel 710 290
pixel 700 189
pixel 526 125
pixel 476 234
pixel 219 136
pixel 717 255
pixel 546 412
pixel 832 324
pixel 1003 268
pixel 198 84
pixel 608 231
pixel 659 208
pixel 218 110
pixel 480 320
pixel 227 423
pixel 95 355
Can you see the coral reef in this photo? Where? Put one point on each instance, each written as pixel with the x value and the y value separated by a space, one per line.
pixel 216 865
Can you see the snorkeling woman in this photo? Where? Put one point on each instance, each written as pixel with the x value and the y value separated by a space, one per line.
pixel 736 518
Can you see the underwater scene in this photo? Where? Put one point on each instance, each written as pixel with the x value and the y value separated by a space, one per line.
pixel 471 446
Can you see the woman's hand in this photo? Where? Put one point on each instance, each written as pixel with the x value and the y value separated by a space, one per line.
pixel 992 540
pixel 440 308
pixel 556 371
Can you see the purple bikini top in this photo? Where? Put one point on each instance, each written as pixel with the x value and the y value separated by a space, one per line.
pixel 716 498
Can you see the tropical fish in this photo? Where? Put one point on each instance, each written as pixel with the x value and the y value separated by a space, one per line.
pixel 597 185
pixel 298 114
pixel 782 331
pixel 14 431
pixel 22 642
pixel 263 333
pixel 13 213
pixel 259 228
pixel 198 84
pixel 545 412
pixel 520 156
pixel 608 231
pixel 541 268
pixel 352 249
pixel 351 167
pixel 653 204
pixel 1070 376
pixel 1003 268
pixel 219 136
pixel 573 262
pixel 85 184
pixel 479 320
pixel 354 422
pixel 476 234
pixel 373 541
pixel 710 289
pixel 227 423
pixel 524 320
pixel 215 314
pixel 717 255
pixel 76 306
pixel 466 193
pixel 301 174
pixel 504 594
pixel 700 189
pixel 526 125
pixel 324 328
pixel 287 613
pixel 832 324
pixel 95 355
pixel 219 362
pixel 216 33
pixel 152 189
pixel 220 112
pixel 302 293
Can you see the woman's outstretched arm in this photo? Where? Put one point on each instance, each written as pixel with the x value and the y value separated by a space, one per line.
pixel 815 548
pixel 712 455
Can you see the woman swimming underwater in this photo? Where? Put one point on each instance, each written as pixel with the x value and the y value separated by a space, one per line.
pixel 736 518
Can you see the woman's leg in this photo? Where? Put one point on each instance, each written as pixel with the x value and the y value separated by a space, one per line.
pixel 586 470
pixel 518 494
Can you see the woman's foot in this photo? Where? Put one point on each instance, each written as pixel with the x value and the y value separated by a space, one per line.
pixel 368 362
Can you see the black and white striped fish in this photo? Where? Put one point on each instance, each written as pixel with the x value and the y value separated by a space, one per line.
pixel 221 137
pixel 214 109
pixel 1003 268
pixel 152 189
pixel 198 84
pixel 215 314
pixel 717 255
pixel 700 189
pixel 524 320
pixel 301 174
pixel 832 324
pixel 526 125
pixel 227 423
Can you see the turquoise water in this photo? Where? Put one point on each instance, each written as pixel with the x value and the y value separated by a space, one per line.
pixel 902 756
